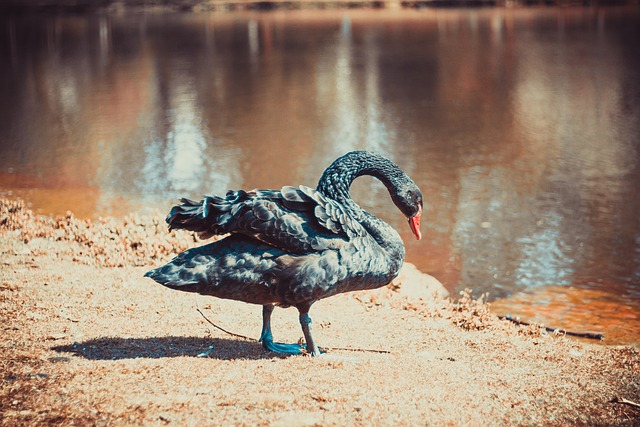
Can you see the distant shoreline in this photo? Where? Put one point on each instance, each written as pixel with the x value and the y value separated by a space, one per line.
pixel 119 6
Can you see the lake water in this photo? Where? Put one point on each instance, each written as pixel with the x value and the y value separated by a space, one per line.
pixel 521 126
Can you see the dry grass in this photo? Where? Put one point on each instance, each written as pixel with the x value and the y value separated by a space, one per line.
pixel 87 344
pixel 134 240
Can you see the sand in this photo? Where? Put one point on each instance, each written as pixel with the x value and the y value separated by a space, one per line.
pixel 87 340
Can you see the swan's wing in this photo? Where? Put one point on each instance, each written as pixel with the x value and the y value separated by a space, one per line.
pixel 298 220
pixel 328 213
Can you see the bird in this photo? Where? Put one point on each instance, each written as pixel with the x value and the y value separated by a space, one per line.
pixel 294 246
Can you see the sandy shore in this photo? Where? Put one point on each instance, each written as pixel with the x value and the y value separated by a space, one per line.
pixel 86 340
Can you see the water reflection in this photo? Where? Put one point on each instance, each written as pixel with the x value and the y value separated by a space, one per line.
pixel 520 125
pixel 578 310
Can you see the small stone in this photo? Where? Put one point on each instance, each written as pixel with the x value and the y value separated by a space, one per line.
pixel 575 353
pixel 207 352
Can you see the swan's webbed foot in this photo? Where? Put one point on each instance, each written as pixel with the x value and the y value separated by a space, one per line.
pixel 269 345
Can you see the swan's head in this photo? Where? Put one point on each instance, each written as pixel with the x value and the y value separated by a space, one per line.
pixel 406 195
pixel 408 199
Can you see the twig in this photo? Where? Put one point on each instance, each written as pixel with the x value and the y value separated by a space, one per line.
pixel 591 335
pixel 624 401
pixel 326 348
pixel 223 330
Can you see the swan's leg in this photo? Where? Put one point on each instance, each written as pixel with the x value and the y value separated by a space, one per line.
pixel 305 323
pixel 267 338
pixel 266 323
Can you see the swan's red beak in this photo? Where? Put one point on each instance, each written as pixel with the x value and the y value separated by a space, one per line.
pixel 414 223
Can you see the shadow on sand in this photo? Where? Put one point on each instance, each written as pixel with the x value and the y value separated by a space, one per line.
pixel 110 348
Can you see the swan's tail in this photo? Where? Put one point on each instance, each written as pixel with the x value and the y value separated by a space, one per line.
pixel 179 275
pixel 211 216
pixel 195 216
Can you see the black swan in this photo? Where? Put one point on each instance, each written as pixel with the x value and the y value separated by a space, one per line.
pixel 294 246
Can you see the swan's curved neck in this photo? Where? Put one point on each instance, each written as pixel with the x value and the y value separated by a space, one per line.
pixel 336 180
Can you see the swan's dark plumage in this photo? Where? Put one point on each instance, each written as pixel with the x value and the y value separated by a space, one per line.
pixel 293 246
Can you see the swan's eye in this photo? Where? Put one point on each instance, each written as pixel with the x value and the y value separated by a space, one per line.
pixel 414 198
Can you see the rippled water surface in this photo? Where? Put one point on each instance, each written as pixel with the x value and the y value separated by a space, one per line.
pixel 522 127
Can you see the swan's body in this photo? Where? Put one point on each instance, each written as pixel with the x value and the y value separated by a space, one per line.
pixel 294 246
